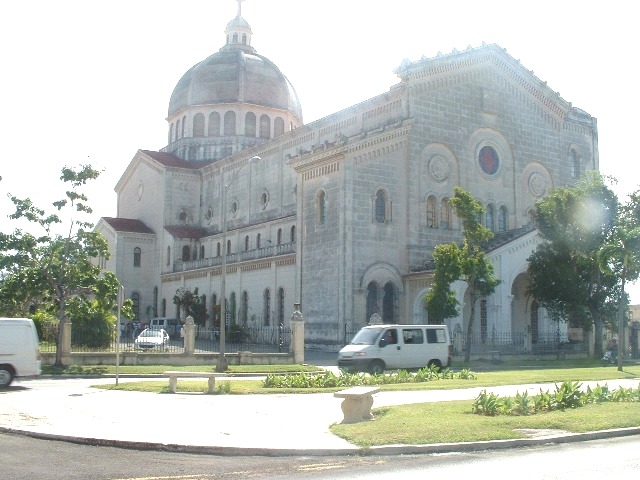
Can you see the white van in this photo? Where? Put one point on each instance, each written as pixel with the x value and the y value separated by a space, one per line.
pixel 170 325
pixel 19 350
pixel 377 348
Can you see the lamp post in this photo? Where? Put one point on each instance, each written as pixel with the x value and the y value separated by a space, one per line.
pixel 221 365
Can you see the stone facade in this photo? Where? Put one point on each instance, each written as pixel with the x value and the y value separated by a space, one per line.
pixel 342 214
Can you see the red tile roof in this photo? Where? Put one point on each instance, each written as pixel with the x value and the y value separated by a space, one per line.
pixel 130 225
pixel 186 232
pixel 169 160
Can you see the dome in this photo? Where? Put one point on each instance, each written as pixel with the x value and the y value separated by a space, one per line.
pixel 235 74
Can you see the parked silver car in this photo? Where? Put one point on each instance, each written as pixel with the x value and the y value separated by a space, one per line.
pixel 152 338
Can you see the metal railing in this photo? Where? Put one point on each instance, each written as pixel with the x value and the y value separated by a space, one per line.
pixel 247 255
pixel 261 339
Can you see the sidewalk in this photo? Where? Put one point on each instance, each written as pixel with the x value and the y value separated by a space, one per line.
pixel 70 409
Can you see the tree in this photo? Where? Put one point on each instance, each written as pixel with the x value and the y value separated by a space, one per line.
pixel 467 262
pixel 62 271
pixel 193 304
pixel 566 278
pixel 620 256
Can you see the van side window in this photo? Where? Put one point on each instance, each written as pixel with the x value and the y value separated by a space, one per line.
pixel 436 335
pixel 391 336
pixel 412 335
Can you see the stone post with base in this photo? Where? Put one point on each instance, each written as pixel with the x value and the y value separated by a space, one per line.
pixel 297 334
pixel 189 336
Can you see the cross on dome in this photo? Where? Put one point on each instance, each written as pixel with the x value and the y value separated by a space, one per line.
pixel 240 7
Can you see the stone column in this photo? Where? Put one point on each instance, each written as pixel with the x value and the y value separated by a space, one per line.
pixel 189 336
pixel 297 334
pixel 458 337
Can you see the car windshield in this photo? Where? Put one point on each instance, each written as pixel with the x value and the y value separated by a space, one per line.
pixel 366 336
pixel 151 333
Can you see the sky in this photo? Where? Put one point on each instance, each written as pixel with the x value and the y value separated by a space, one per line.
pixel 89 82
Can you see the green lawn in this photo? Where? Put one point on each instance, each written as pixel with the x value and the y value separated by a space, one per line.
pixel 445 422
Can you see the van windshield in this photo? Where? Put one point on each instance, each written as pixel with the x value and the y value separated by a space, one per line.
pixel 366 336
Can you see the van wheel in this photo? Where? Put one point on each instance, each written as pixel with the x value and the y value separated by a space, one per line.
pixel 376 367
pixel 435 363
pixel 6 377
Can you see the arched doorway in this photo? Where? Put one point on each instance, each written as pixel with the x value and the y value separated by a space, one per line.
pixel 388 304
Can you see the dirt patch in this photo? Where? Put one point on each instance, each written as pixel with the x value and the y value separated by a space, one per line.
pixel 541 432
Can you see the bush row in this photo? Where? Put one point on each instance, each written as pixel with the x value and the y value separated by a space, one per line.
pixel 345 379
pixel 566 396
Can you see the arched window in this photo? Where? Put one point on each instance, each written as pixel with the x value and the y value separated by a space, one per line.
pixel 215 310
pixel 265 127
pixel 293 234
pixel 233 308
pixel 502 219
pixel 488 217
pixel 214 124
pixel 278 126
pixel 244 308
pixel 279 237
pixel 445 213
pixel 184 124
pixel 575 163
pixel 244 38
pixel 372 301
pixel 235 38
pixel 321 208
pixel 155 301
pixel 198 125
pixel 164 307
pixel 381 210
pixel 137 257
pixel 186 253
pixel 228 247
pixel 266 308
pixel 168 255
pixel 246 243
pixel 281 306
pixel 431 212
pixel 250 124
pixel 258 239
pixel 135 299
pixel 201 251
pixel 230 123
pixel 218 249
pixel 388 304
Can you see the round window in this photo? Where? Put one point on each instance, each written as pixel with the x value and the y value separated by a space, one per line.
pixel 489 160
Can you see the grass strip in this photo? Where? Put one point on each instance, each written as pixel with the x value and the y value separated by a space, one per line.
pixel 453 422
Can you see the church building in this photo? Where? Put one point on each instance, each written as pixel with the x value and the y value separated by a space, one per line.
pixel 342 214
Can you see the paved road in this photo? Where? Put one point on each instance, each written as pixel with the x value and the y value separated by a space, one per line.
pixel 236 424
pixel 24 458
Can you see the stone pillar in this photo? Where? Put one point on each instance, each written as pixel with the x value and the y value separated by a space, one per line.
pixel 189 336
pixel 458 337
pixel 297 334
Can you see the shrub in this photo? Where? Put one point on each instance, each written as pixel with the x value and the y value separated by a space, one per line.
pixel 346 379
pixel 567 395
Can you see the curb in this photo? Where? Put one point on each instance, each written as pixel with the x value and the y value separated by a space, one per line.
pixel 362 451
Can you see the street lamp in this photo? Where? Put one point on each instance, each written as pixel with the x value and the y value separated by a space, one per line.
pixel 221 365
